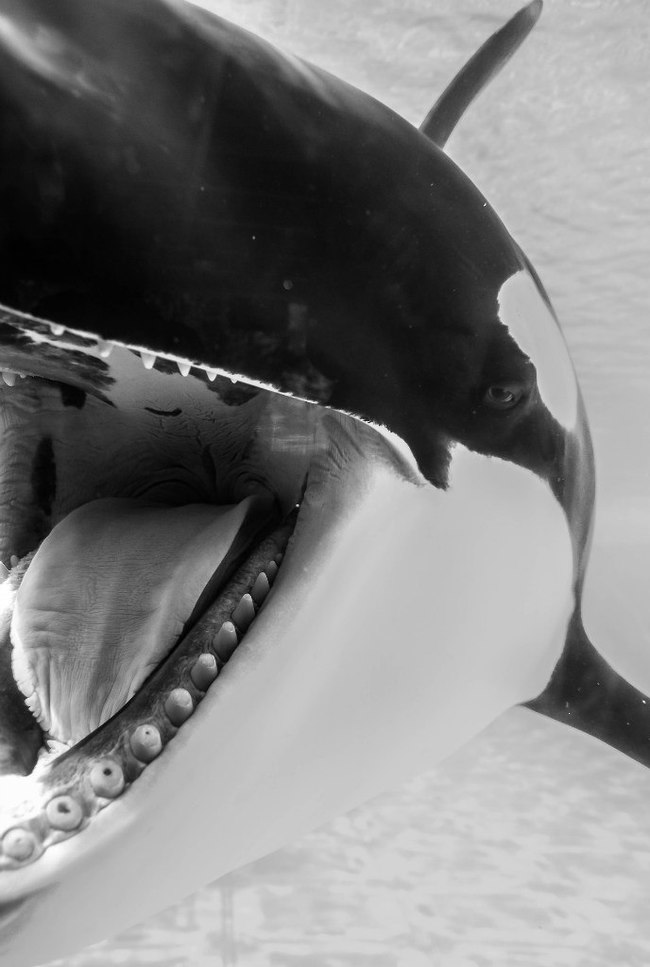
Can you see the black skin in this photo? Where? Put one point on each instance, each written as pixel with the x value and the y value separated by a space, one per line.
pixel 222 204
pixel 586 693
pixel 170 181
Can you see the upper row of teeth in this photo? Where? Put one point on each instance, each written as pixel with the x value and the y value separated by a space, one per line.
pixel 9 376
pixel 149 361
pixel 64 812
pixel 105 348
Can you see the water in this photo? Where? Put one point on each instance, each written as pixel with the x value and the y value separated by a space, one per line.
pixel 492 859
pixel 488 861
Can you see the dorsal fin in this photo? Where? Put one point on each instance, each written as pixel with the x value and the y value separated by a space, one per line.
pixel 477 73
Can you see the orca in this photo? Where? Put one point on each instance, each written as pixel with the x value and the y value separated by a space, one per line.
pixel 297 479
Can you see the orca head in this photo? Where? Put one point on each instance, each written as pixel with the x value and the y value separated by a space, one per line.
pixel 298 483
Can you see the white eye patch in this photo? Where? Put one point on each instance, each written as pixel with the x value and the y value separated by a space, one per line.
pixel 533 327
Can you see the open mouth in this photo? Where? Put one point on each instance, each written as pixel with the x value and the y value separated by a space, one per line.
pixel 147 507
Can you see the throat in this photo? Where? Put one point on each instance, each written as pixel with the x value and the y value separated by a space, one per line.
pixel 108 595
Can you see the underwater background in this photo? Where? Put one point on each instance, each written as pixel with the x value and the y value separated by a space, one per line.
pixel 531 846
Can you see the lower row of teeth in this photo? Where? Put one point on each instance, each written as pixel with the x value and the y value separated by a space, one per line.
pixel 67 811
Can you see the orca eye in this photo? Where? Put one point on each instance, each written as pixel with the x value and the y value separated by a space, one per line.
pixel 503 396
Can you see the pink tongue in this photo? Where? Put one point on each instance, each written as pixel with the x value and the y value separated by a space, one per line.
pixel 104 600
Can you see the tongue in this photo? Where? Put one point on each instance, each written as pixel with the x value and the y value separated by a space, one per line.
pixel 106 597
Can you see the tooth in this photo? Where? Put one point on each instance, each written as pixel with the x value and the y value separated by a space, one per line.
pixel 204 671
pixel 55 746
pixel 244 613
pixel 57 328
pixel 4 572
pixel 9 377
pixel 212 374
pixel 107 778
pixel 146 743
pixel 260 589
pixel 226 641
pixel 104 348
pixel 18 844
pixel 234 380
pixel 271 570
pixel 278 558
pixel 179 706
pixel 64 812
pixel 13 560
pixel 183 368
pixel 148 360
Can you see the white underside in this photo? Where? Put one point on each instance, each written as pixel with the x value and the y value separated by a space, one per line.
pixel 404 622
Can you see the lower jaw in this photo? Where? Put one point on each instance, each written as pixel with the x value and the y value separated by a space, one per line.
pixel 64 793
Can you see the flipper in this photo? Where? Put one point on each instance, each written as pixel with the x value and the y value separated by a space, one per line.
pixel 587 693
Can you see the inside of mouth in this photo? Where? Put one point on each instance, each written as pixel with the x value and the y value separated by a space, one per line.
pixel 151 520
pixel 108 594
